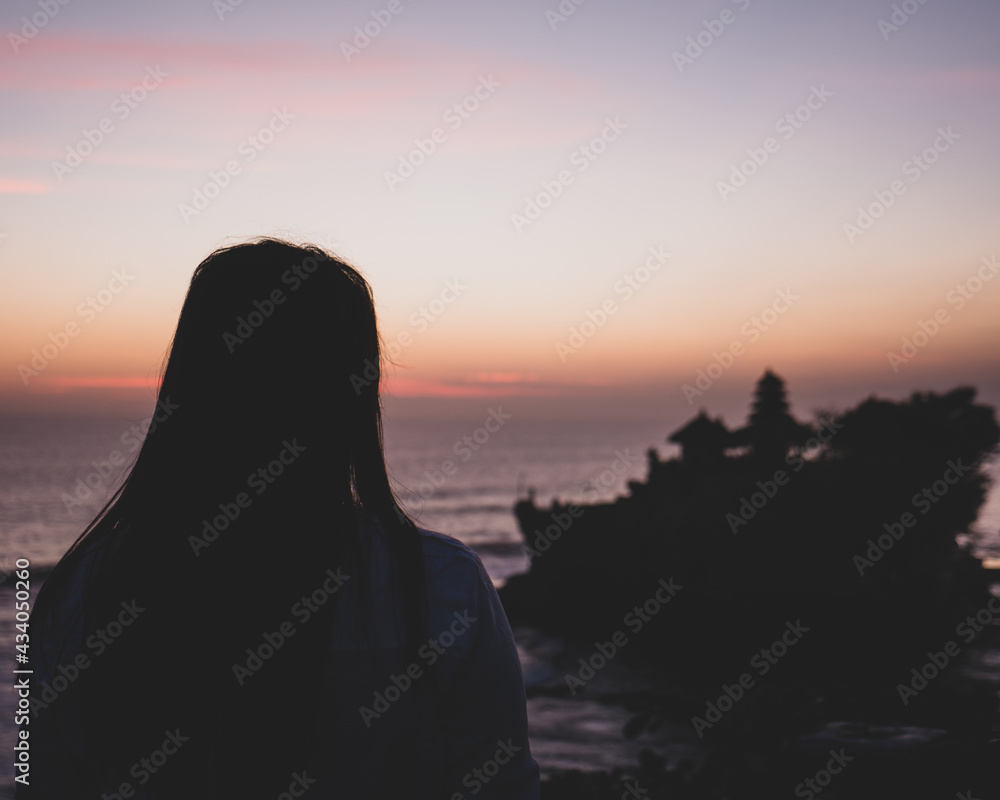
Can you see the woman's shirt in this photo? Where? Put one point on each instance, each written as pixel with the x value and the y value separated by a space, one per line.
pixel 451 723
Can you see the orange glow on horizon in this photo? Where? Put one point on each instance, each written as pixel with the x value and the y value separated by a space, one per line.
pixel 503 377
pixel 414 387
pixel 60 385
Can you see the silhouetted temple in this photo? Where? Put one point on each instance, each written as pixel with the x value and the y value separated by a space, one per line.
pixel 702 440
pixel 771 430
pixel 859 528
pixel 819 511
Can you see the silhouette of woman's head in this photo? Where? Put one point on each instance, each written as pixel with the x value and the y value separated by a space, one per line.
pixel 237 503
pixel 276 340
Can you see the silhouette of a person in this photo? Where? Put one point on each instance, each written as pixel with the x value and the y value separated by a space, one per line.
pixel 252 615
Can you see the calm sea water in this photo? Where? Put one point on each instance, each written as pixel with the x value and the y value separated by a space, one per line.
pixel 456 477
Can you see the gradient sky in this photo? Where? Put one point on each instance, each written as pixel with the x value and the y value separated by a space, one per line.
pixel 548 87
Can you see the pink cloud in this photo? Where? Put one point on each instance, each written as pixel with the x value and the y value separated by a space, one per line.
pixel 25 148
pixel 92 61
pixel 22 186
pixel 969 78
pixel 212 87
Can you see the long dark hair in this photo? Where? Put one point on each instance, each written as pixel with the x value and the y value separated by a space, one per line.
pixel 245 497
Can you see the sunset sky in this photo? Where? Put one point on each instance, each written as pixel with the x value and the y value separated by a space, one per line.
pixel 505 172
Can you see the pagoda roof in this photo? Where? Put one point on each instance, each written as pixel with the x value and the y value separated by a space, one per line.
pixel 701 429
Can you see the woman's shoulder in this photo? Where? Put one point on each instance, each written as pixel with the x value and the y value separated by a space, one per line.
pixel 445 557
pixel 78 564
pixel 459 585
pixel 451 562
pixel 440 548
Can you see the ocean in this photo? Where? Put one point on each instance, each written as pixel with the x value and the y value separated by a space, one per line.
pixel 457 476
